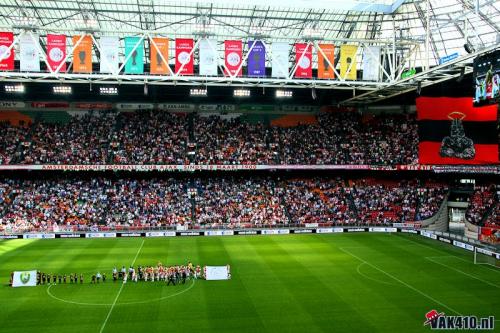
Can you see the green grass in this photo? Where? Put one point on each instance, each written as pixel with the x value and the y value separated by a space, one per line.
pixel 293 283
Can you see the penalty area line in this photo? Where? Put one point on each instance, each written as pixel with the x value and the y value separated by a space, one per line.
pixel 462 272
pixel 400 281
pixel 119 292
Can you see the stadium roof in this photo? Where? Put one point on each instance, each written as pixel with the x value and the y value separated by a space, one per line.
pixel 399 26
pixel 451 21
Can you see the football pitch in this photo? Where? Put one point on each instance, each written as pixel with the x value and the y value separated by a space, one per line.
pixel 289 283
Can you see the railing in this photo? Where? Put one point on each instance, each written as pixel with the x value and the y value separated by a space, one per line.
pixel 138 228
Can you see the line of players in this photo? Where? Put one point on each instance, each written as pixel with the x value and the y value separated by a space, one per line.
pixel 46 278
pixel 170 274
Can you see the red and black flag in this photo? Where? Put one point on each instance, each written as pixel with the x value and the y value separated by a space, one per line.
pixel 452 131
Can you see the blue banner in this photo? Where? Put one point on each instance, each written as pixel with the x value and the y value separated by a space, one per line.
pixel 256 59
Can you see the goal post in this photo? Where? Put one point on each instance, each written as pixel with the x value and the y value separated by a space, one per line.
pixel 486 257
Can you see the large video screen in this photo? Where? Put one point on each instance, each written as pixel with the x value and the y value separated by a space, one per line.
pixel 453 131
pixel 486 76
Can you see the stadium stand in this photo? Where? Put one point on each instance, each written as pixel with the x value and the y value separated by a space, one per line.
pixel 109 203
pixel 161 138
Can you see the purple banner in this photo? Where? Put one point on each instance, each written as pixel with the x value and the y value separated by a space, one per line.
pixel 256 59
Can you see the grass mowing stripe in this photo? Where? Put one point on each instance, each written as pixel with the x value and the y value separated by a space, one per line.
pixel 448 254
pixel 402 282
pixel 119 291
pixel 464 273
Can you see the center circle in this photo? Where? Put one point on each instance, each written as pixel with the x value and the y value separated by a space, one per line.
pixel 177 292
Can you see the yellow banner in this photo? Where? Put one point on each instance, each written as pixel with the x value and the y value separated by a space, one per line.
pixel 348 61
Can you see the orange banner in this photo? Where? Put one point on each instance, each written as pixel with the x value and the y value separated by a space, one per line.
pixel 158 66
pixel 82 54
pixel 325 71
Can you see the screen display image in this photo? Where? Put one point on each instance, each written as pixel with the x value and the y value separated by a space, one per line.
pixel 487 79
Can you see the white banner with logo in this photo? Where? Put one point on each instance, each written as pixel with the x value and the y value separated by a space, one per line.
pixel 12 105
pixel 110 46
pixel 217 273
pixel 208 57
pixel 28 48
pixel 24 279
pixel 371 61
pixel 280 54
pixel 134 106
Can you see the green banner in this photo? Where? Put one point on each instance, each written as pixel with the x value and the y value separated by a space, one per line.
pixel 135 55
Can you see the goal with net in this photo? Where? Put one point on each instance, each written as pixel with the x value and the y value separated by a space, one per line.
pixel 486 257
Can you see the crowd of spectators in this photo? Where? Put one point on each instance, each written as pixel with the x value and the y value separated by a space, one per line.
pixel 75 204
pixel 493 220
pixel 481 202
pixel 351 138
pixel 149 138
pixel 318 201
pixel 152 137
pixel 239 202
pixel 230 141
pixel 386 203
pixel 83 140
pixel 11 137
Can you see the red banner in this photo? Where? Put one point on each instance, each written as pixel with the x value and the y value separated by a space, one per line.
pixel 6 52
pixel 452 131
pixel 93 106
pixel 184 56
pixel 56 52
pixel 233 56
pixel 51 105
pixel 303 59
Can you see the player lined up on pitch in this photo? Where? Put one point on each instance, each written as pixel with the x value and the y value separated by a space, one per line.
pixel 170 274
pixel 47 278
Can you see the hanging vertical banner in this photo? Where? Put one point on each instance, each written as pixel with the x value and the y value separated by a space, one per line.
pixel 158 65
pixel 256 59
pixel 348 61
pixel 208 57
pixel 6 52
pixel 28 49
pixel 326 59
pixel 303 58
pixel 82 54
pixel 184 56
pixel 233 56
pixel 371 61
pixel 56 52
pixel 135 55
pixel 280 52
pixel 109 54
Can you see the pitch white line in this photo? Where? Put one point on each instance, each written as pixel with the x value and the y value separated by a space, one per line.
pixel 121 303
pixel 369 277
pixel 464 273
pixel 402 282
pixel 451 255
pixel 119 292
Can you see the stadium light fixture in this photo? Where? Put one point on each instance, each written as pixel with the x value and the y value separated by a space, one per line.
pixel 14 88
pixel 284 93
pixel 241 93
pixel 200 92
pixel 108 90
pixel 62 90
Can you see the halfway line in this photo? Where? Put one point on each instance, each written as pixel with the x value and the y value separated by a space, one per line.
pixel 119 292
